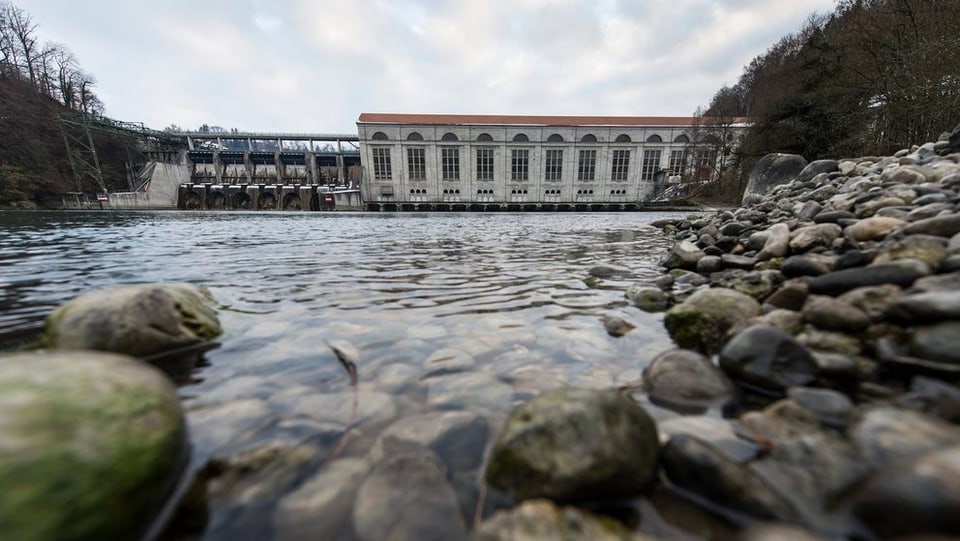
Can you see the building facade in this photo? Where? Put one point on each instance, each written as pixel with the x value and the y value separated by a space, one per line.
pixel 486 162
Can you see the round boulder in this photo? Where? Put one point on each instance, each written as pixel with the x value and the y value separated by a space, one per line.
pixel 703 320
pixel 91 446
pixel 574 445
pixel 685 379
pixel 137 320
pixel 769 359
pixel 773 170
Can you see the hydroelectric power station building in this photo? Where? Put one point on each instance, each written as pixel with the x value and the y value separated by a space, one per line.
pixel 511 162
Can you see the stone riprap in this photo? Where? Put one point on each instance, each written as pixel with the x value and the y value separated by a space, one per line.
pixel 850 356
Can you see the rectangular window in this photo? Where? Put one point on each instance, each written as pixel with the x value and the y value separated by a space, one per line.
pixel 586 169
pixel 450 158
pixel 484 164
pixel 651 163
pixel 621 164
pixel 554 165
pixel 416 164
pixel 678 159
pixel 705 160
pixel 381 164
pixel 519 165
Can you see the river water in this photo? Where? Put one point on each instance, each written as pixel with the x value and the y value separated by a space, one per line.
pixel 440 312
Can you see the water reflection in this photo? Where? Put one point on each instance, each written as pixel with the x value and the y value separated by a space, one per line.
pixel 441 313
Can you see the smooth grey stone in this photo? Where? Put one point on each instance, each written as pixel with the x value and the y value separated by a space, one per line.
pixel 817 167
pixel 831 407
pixel 718 433
pixel 834 314
pixel 941 226
pixel 767 358
pixel 874 228
pixel 738 261
pixel 709 264
pixel 929 210
pixel 664 282
pixel 732 229
pixel 853 258
pixel 407 497
pixel 934 397
pixel 809 210
pixel 456 437
pixel 790 296
pixel 929 198
pixel 938 282
pixel 776 243
pixel 703 320
pixel 938 342
pixel 831 216
pixel 927 248
pixel 683 254
pixel 685 380
pixel 696 466
pixel 837 282
pixel 773 170
pixel 798 265
pixel 934 305
pixel 608 271
pixel 575 445
pixel 648 299
pixel 887 436
pixel 811 236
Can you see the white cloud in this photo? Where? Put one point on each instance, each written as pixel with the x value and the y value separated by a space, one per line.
pixel 302 65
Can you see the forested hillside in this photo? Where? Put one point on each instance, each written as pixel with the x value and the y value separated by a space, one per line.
pixel 869 78
pixel 39 84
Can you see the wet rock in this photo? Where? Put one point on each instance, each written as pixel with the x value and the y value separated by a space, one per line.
pixel 942 282
pixel 874 228
pixel 686 380
pixel 607 271
pixel 817 167
pixel 772 170
pixel 216 427
pixel 718 433
pixel 799 265
pixel 703 320
pixel 616 326
pixel 834 314
pixel 448 361
pixel 836 365
pixel 536 520
pixel 931 250
pixel 931 306
pixel 805 238
pixel 928 211
pixel 783 420
pixel 809 210
pixel 683 255
pixel 941 226
pixel 832 408
pixel 320 507
pixel 837 282
pixel 575 445
pixel 92 445
pixel 648 299
pixel 937 342
pixel 933 397
pixel 757 284
pixel 731 261
pixel 479 391
pixel 407 497
pixel 255 475
pixel 921 498
pixel 695 466
pixel 874 301
pixel 887 436
pixel 709 263
pixel 139 320
pixel 836 342
pixel 768 359
pixel 456 437
pixel 833 216
pixel 790 296
pixel 787 321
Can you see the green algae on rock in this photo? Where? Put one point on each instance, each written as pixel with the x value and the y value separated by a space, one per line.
pixel 91 445
pixel 137 320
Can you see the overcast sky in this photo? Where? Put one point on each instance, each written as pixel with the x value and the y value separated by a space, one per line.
pixel 315 65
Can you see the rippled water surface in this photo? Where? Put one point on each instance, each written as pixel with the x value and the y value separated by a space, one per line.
pixel 472 312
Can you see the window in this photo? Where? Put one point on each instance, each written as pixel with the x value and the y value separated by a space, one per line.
pixel 416 164
pixel 450 158
pixel 651 162
pixel 621 164
pixel 681 139
pixel 678 159
pixel 588 138
pixel 485 138
pixel 519 165
pixel 414 136
pixel 623 138
pixel 379 136
pixel 381 164
pixel 586 169
pixel 520 138
pixel 705 159
pixel 449 137
pixel 555 138
pixel 654 139
pixel 484 164
pixel 554 165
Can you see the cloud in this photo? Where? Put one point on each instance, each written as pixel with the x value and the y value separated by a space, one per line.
pixel 302 65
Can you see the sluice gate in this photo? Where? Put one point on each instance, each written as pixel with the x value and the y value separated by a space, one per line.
pixel 264 197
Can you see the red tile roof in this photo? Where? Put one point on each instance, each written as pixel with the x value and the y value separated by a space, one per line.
pixel 527 120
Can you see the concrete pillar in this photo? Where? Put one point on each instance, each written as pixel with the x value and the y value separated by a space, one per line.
pixel 190 143
pixel 310 159
pixel 341 170
pixel 218 166
pixel 278 165
pixel 248 167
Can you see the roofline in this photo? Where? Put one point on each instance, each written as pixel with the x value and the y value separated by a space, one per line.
pixel 434 119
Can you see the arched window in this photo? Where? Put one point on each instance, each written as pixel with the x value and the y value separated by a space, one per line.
pixel 414 136
pixel 485 138
pixel 520 138
pixel 654 139
pixel 555 138
pixel 711 140
pixel 588 138
pixel 449 137
pixel 623 138
pixel 682 139
pixel 379 136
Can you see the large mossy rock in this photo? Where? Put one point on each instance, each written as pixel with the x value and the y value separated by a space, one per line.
pixel 136 320
pixel 574 445
pixel 772 170
pixel 91 445
pixel 702 322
